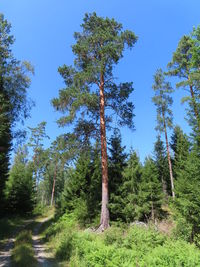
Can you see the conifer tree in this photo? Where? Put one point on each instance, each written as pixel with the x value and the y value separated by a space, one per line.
pixel 82 193
pixel 187 190
pixel 90 88
pixel 163 101
pixel 19 191
pixel 38 134
pixel 180 147
pixel 14 104
pixel 185 65
pixel 117 163
pixel 128 197
pixel 161 164
pixel 150 195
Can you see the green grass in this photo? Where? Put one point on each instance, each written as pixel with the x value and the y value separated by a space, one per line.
pixel 23 253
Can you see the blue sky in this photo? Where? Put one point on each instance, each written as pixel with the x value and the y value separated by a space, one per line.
pixel 44 34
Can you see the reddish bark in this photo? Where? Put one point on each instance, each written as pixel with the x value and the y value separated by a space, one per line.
pixel 169 159
pixel 104 222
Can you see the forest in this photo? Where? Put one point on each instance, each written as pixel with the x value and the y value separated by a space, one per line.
pixel 87 200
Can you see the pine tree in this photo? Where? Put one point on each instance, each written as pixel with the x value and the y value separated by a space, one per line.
pixel 38 134
pixel 185 66
pixel 91 88
pixel 163 101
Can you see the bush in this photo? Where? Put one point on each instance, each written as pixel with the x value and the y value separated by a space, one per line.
pixel 118 247
pixel 172 254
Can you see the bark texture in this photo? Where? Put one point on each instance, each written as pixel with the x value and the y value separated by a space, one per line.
pixel 104 222
pixel 169 161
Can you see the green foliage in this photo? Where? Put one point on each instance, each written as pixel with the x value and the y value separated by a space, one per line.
pixel 185 66
pixel 128 198
pixel 117 163
pixel 150 195
pixel 23 253
pixel 135 246
pixel 15 106
pixel 172 254
pixel 180 146
pixel 98 48
pixel 162 101
pixel 9 225
pixel 187 201
pixel 82 190
pixel 161 162
pixel 19 192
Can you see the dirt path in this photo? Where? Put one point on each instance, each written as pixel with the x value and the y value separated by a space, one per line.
pixel 42 254
pixel 5 253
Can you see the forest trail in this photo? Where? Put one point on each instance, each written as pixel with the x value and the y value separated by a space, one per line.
pixel 43 256
pixel 5 251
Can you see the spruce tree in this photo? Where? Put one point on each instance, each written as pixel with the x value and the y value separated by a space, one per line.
pixel 90 88
pixel 15 106
pixel 162 165
pixel 180 146
pixel 19 190
pixel 117 163
pixel 163 102
pixel 82 193
pixel 150 195
pixel 187 191
pixel 128 197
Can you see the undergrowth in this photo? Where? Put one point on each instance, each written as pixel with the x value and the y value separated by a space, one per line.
pixel 8 226
pixel 118 247
pixel 23 253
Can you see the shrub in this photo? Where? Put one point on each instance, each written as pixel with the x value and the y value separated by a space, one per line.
pixel 172 254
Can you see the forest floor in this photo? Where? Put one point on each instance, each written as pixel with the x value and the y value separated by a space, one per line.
pixel 37 225
pixel 42 253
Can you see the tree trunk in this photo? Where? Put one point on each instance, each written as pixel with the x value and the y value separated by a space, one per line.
pixel 195 108
pixel 104 222
pixel 169 160
pixel 54 182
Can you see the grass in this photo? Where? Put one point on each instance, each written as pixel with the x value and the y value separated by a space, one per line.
pixel 23 253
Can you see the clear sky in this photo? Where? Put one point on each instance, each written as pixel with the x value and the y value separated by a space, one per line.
pixel 44 34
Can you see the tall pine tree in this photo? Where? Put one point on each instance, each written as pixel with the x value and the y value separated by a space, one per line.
pixel 163 102
pixel 91 88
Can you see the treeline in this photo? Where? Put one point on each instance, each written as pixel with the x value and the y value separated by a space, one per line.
pixel 76 174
